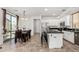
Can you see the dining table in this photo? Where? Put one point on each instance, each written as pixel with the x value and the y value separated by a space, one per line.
pixel 24 35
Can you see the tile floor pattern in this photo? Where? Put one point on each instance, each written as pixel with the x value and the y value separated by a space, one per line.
pixel 34 45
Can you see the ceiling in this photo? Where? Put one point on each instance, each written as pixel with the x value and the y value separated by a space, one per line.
pixel 43 11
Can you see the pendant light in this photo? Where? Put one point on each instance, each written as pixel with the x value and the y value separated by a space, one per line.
pixel 24 14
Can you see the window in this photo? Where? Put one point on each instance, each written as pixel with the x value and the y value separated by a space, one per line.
pixel 14 23
pixel 10 22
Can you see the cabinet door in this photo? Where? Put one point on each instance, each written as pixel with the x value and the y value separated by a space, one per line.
pixel 65 35
pixel 49 38
pixel 59 40
pixel 71 37
pixel 77 38
pixel 54 40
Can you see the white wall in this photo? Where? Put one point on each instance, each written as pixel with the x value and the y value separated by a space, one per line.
pixel 1 26
pixel 26 23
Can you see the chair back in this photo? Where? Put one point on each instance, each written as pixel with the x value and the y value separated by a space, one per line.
pixel 18 33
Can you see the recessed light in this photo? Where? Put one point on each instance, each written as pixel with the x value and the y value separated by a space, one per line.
pixel 45 9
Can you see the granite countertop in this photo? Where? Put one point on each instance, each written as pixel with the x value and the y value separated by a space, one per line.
pixel 71 30
pixel 54 31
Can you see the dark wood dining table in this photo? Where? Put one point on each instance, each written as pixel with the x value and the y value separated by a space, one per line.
pixel 24 35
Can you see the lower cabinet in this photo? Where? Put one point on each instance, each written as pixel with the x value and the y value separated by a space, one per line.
pixel 77 38
pixel 72 37
pixel 69 36
pixel 55 40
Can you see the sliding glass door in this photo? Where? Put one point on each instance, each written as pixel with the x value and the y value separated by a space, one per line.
pixel 10 26
pixel 13 26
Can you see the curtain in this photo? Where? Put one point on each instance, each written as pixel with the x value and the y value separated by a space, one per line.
pixel 17 21
pixel 4 21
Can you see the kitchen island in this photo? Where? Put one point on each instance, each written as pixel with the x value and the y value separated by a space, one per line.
pixel 55 39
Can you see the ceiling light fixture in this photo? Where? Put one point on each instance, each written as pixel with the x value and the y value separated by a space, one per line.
pixel 24 14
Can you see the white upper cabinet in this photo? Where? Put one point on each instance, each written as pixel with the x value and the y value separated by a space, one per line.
pixel 68 20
